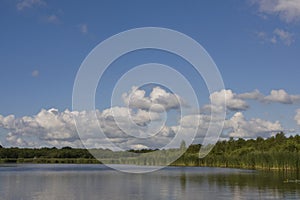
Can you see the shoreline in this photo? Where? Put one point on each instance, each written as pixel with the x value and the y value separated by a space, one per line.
pixel 83 161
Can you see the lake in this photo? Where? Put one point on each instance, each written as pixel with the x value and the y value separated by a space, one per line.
pixel 68 181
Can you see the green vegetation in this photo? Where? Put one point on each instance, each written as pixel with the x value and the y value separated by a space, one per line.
pixel 45 155
pixel 278 152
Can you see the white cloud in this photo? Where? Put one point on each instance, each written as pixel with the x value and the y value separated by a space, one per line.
pixel 193 120
pixel 233 101
pixel 198 127
pixel 256 95
pixel 240 127
pixel 275 96
pixel 297 117
pixel 281 96
pixel 25 4
pixel 287 10
pixel 139 126
pixel 158 100
pixel 236 126
pixel 116 120
pixel 278 35
pixel 51 127
pixel 285 36
pixel 48 126
pixel 136 98
pixel 138 146
pixel 83 28
pixel 17 141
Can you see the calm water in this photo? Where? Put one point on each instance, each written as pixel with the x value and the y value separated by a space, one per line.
pixel 47 182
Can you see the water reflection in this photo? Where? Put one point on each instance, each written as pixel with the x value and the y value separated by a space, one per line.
pixel 48 182
pixel 183 181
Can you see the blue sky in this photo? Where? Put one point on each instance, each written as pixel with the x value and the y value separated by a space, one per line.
pixel 255 45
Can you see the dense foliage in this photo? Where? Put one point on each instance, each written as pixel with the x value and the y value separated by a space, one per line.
pixel 277 152
pixel 45 155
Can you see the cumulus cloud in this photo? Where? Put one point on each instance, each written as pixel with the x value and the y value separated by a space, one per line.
pixel 158 100
pixel 233 101
pixel 237 126
pixel 241 128
pixel 281 96
pixel 124 126
pixel 256 95
pixel 25 4
pixel 138 125
pixel 287 10
pixel 47 125
pixel 53 128
pixel 297 117
pixel 275 96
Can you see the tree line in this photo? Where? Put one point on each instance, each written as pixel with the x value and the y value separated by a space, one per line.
pixel 277 152
pixel 45 155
